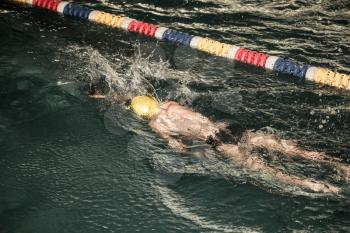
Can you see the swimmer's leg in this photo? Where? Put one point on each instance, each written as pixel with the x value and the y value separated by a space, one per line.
pixel 272 143
pixel 289 148
pixel 255 164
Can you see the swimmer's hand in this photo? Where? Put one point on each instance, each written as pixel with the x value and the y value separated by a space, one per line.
pixel 97 96
pixel 182 148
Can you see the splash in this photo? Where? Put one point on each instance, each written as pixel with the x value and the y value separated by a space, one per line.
pixel 130 76
pixel 176 205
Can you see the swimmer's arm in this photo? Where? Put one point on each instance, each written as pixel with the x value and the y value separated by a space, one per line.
pixel 172 142
pixel 97 96
pixel 180 147
pixel 176 145
pixel 114 98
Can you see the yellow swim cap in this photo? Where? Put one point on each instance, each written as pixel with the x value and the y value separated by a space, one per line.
pixel 145 106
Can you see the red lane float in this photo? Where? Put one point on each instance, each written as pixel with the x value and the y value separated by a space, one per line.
pixel 251 57
pixel 142 28
pixel 47 4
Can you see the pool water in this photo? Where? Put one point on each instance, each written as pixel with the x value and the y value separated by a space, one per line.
pixel 72 164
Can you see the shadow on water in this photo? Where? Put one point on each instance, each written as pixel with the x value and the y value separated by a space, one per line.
pixel 66 166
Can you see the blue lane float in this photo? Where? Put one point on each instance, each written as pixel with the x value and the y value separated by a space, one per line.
pixel 286 66
pixel 74 10
pixel 176 36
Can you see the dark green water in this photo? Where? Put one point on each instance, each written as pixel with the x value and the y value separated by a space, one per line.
pixel 70 164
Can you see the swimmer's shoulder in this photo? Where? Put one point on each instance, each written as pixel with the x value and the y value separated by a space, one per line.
pixel 166 105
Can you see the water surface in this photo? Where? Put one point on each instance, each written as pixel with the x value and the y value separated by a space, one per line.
pixel 70 164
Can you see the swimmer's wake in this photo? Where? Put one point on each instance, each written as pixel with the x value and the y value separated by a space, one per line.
pixel 177 124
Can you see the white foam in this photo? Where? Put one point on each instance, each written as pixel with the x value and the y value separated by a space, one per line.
pixel 179 209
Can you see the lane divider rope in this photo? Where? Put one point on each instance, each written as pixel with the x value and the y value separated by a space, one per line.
pixel 261 60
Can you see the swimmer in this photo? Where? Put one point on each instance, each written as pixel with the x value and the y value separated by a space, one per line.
pixel 174 122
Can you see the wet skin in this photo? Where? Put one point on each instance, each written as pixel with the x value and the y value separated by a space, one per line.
pixel 175 122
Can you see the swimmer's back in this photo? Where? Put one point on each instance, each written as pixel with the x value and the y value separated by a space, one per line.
pixel 176 119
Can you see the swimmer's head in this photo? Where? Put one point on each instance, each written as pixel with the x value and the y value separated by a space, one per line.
pixel 145 106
